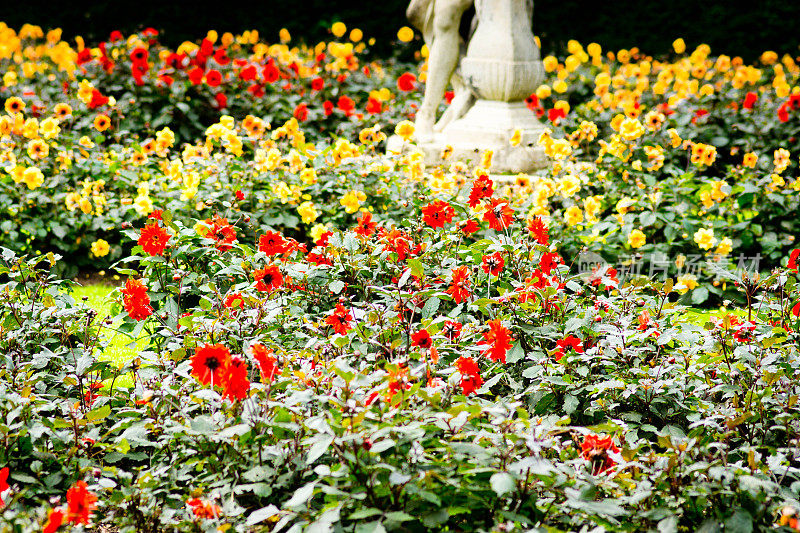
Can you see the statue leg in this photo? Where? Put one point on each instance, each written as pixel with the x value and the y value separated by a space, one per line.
pixel 442 61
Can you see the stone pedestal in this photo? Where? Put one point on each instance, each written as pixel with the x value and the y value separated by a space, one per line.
pixel 502 67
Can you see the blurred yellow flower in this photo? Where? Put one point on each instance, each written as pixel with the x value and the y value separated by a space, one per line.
pixel 100 248
pixel 686 283
pixel 750 160
pixel 679 46
pixel 338 29
pixel 631 129
pixel 516 138
pixel 405 34
pixel 405 129
pixel 352 201
pixel 704 237
pixel 573 215
pixel 33 177
pixel 725 247
pixel 307 212
pixel 636 239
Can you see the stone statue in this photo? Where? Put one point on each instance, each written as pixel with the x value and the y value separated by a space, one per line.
pixel 439 22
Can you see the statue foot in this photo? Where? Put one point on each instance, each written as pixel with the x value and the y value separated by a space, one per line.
pixel 423 127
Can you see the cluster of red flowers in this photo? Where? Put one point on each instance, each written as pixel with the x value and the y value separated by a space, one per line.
pixel 792 104
pixel 471 379
pixel 498 339
pixel 81 503
pixel 596 450
pixel 213 363
pixel 136 300
pixel 202 508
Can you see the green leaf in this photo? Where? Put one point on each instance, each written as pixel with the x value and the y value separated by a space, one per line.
pixel 99 413
pixel 739 522
pixel 302 495
pixel 256 517
pixel 319 447
pixel 416 267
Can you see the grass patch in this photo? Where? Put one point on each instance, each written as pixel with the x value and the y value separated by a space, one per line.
pixel 117 348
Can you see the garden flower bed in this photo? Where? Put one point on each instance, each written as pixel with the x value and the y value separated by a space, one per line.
pixel 333 339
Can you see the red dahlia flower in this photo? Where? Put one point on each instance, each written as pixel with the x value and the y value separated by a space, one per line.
pixel 136 300
pixel 499 215
pixel 339 320
pixel 213 78
pixel 268 279
pixel 596 449
pixel 470 374
pixel 236 383
pixel 272 243
pixel 81 503
pixel 567 343
pixel 452 329
pixel 204 508
pixel 437 214
pixel 459 287
pixel 539 231
pixel 406 82
pixel 750 100
pixel 366 226
pixel 346 104
pixel 793 257
pixel 55 518
pixel 301 112
pixel 210 364
pixel 493 263
pixel 153 239
pixel 267 362
pixel 499 340
pixel 422 339
pixel 3 483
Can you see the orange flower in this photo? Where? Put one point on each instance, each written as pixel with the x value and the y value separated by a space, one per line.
pixel 102 122
pixel 459 288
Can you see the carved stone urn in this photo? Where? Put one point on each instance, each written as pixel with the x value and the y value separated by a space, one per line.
pixel 502 62
pixel 502 67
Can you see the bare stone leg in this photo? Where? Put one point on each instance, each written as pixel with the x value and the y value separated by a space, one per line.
pixel 442 60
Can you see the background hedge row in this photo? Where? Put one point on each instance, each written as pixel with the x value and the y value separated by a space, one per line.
pixel 652 26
